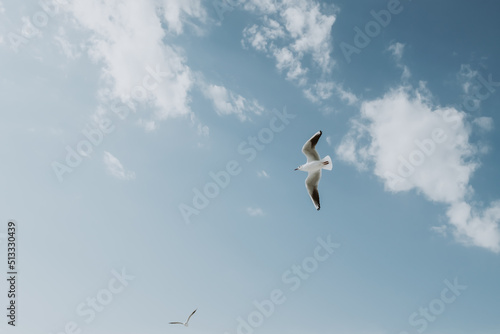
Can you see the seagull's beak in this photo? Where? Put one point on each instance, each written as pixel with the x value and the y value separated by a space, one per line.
pixel 296 169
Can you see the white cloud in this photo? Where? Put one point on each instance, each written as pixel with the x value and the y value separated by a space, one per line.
pixel 226 102
pixel 289 62
pixel 309 29
pixel 132 41
pixel 178 13
pixel 127 38
pixel 476 227
pixel 399 126
pixel 300 24
pixel 261 37
pixel 410 143
pixel 115 168
pixel 255 212
pixel 290 31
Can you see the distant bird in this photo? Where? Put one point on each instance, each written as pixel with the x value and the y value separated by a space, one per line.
pixel 183 323
pixel 313 167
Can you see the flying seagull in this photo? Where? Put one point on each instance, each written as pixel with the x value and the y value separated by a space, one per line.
pixel 313 167
pixel 183 323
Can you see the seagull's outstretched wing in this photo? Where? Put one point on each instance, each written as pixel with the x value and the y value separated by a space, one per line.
pixel 190 316
pixel 176 323
pixel 309 147
pixel 312 182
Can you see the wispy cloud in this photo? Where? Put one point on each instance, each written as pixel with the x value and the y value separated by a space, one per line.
pixel 319 91
pixel 484 123
pixel 263 173
pixel 442 230
pixel 291 32
pixel 203 130
pixel 294 28
pixel 466 77
pixel 179 13
pixel 226 102
pixel 397 50
pixel 254 212
pixel 115 168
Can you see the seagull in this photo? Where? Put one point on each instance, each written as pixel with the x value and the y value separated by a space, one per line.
pixel 313 167
pixel 183 323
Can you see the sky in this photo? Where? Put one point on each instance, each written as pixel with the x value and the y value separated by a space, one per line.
pixel 148 152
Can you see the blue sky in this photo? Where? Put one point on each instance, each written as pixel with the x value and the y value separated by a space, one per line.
pixel 116 115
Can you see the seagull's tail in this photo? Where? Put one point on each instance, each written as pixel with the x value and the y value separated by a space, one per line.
pixel 328 166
